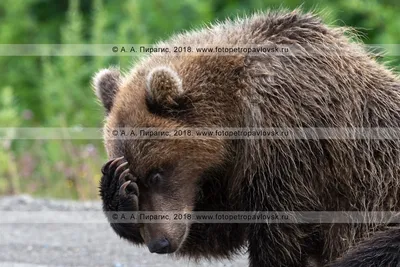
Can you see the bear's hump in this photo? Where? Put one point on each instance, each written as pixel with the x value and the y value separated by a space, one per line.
pixel 275 26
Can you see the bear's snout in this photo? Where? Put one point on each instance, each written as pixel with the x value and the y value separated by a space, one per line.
pixel 160 246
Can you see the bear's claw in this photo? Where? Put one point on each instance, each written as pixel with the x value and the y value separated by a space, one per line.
pixel 119 169
pixel 122 189
pixel 119 193
pixel 104 169
pixel 119 190
pixel 122 177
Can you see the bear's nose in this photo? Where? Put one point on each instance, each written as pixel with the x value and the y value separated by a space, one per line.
pixel 160 246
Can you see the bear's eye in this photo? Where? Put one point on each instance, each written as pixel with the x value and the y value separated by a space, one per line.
pixel 154 179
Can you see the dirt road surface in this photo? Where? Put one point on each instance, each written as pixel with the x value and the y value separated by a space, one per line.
pixel 41 232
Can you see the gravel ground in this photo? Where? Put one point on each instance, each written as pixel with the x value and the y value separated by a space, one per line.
pixel 42 232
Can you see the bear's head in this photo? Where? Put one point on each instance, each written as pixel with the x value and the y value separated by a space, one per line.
pixel 169 97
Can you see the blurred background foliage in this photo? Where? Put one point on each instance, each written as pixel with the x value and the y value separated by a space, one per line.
pixel 55 91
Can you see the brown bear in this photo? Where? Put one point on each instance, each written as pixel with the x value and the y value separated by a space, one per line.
pixel 322 81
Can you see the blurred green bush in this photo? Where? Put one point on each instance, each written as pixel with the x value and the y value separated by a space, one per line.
pixel 55 91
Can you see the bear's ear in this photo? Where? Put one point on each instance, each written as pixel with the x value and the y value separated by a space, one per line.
pixel 105 85
pixel 163 87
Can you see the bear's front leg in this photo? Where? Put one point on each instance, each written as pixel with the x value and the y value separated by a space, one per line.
pixel 275 245
pixel 119 192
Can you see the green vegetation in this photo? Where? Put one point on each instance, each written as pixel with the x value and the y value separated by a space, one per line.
pixel 46 91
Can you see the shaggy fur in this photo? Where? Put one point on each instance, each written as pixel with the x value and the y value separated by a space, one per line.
pixel 381 250
pixel 327 82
